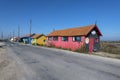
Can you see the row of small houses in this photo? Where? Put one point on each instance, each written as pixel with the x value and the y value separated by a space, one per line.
pixel 34 39
pixel 72 38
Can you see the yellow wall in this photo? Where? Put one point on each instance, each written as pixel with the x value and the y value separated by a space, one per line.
pixel 41 40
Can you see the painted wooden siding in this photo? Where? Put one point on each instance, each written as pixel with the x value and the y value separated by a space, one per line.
pixel 70 44
pixel 41 40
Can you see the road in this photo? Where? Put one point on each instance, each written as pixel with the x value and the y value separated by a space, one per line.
pixel 41 63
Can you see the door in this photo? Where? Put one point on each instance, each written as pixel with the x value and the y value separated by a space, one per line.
pixel 91 44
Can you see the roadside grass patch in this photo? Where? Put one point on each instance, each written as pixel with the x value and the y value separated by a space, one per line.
pixel 110 47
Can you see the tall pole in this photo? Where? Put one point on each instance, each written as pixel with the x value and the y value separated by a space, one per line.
pixel 2 35
pixel 10 36
pixel 13 35
pixel 30 31
pixel 18 32
pixel 30 26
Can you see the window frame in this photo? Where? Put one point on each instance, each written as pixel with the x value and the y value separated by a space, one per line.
pixel 74 39
pixel 50 38
pixel 55 37
pixel 65 37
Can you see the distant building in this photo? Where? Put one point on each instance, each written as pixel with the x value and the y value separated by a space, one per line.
pixel 75 38
pixel 13 39
pixel 38 39
pixel 26 39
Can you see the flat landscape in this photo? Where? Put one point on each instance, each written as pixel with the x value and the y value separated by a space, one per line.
pixel 110 49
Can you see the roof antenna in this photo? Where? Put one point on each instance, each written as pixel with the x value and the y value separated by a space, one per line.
pixel 96 22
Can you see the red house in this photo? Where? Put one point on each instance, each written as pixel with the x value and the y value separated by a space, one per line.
pixel 74 38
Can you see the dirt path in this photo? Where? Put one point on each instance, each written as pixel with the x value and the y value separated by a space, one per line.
pixel 9 69
pixel 105 54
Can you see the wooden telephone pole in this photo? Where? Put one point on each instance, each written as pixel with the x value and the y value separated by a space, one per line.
pixel 13 35
pixel 30 26
pixel 18 32
pixel 2 35
pixel 30 31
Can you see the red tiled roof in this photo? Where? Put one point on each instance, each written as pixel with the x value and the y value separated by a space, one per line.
pixel 73 31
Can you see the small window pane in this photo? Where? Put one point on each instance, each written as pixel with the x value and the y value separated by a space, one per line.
pixel 65 38
pixel 55 38
pixel 44 40
pixel 50 38
pixel 77 38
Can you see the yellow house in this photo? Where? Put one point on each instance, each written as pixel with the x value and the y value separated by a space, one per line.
pixel 38 39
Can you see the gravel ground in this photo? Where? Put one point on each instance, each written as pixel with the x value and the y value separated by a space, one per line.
pixel 9 69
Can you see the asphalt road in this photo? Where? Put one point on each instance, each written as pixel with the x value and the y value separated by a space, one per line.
pixel 53 64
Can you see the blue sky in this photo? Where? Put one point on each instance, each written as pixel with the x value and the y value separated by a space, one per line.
pixel 47 15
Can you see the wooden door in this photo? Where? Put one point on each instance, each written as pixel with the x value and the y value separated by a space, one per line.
pixel 91 44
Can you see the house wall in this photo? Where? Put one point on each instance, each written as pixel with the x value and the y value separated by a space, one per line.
pixel 26 40
pixel 70 44
pixel 41 40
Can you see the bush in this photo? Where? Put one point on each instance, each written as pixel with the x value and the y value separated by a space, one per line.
pixel 110 48
pixel 83 49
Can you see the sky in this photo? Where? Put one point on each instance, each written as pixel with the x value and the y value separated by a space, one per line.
pixel 49 15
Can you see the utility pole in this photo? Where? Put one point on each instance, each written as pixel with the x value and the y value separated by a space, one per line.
pixel 30 26
pixel 30 31
pixel 10 36
pixel 2 35
pixel 13 35
pixel 18 32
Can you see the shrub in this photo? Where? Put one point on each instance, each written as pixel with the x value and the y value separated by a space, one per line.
pixel 83 49
pixel 110 48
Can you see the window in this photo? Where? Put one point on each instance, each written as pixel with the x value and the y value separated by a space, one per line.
pixel 44 40
pixel 55 38
pixel 77 38
pixel 50 38
pixel 64 38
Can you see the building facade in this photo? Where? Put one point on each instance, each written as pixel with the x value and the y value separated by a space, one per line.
pixel 75 38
